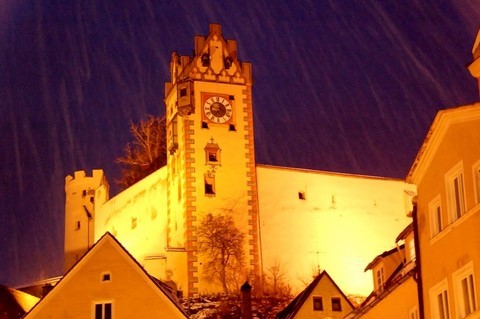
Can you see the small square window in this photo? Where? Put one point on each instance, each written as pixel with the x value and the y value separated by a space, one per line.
pixel 204 124
pixel 106 277
pixel 212 157
pixel 231 127
pixel 336 304
pixel 317 304
pixel 183 92
pixel 301 195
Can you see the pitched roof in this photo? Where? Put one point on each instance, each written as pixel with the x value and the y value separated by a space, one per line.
pixel 438 129
pixel 294 306
pixel 378 258
pixel 15 303
pixel 404 233
pixel 107 238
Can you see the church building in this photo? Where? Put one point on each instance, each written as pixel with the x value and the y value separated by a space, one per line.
pixel 303 220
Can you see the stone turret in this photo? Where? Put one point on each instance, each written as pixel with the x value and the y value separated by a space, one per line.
pixel 82 194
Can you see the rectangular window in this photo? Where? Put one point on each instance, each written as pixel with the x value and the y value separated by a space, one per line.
pixel 468 295
pixel 476 178
pixel 442 303
pixel 183 92
pixel 413 313
pixel 439 300
pixel 317 304
pixel 455 191
pixel 411 249
pixel 301 195
pixel 103 310
pixel 336 304
pixel 465 295
pixel 380 279
pixel 435 212
pixel 459 196
pixel 106 277
pixel 209 184
pixel 212 157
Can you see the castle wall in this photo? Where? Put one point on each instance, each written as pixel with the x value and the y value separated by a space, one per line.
pixel 137 218
pixel 340 225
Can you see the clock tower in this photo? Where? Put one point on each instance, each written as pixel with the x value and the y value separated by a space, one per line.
pixel 211 155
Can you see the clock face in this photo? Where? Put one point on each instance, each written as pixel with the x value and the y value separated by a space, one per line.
pixel 217 109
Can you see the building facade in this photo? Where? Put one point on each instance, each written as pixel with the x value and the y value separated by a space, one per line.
pixel 447 174
pixel 304 219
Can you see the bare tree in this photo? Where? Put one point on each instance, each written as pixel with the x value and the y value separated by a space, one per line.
pixel 221 242
pixel 146 153
pixel 277 275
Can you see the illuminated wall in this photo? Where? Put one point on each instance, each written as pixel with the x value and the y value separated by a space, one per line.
pixel 340 225
pixel 137 218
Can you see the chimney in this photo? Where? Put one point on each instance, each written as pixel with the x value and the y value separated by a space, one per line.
pixel 246 290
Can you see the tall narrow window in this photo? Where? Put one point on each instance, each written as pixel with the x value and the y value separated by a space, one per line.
pixel 468 294
pixel 209 180
pixel 439 300
pixel 465 295
pixel 435 212
pixel 476 178
pixel 380 278
pixel 103 310
pixel 455 191
pixel 442 303
pixel 413 313
pixel 459 195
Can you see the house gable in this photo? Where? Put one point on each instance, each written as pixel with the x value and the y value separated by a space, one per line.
pixel 446 128
pixel 107 274
pixel 322 288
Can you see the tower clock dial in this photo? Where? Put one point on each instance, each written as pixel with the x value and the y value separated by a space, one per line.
pixel 217 109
